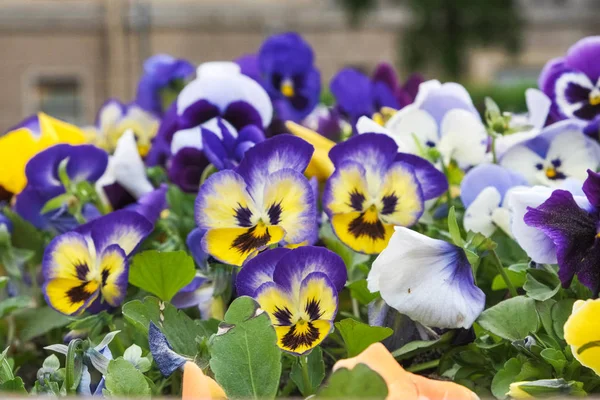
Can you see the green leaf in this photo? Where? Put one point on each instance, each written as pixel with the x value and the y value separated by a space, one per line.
pixel 418 346
pixel 6 372
pixel 552 388
pixel 360 382
pixel 244 356
pixel 511 319
pixel 504 377
pixel 14 386
pixel 560 313
pixel 516 273
pixel 39 321
pixel 359 291
pixel 316 372
pixel 56 202
pixel 541 284
pixel 544 310
pixel 350 257
pixel 162 274
pixel 181 331
pixel 454 229
pixel 25 235
pixel 3 281
pixel 358 336
pixel 123 379
pixel 11 304
pixel 555 358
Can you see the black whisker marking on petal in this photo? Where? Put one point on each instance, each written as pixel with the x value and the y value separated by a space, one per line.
pixel 313 309
pixel 79 293
pixel 248 241
pixel 283 315
pixel 243 215
pixel 275 213
pixel 293 340
pixel 389 204
pixel 359 227
pixel 105 274
pixel 82 270
pixel 357 200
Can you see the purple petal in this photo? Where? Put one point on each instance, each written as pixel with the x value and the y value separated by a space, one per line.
pixel 297 264
pixel 186 169
pixel 372 150
pixel 286 53
pixel 213 149
pixel 258 270
pixel 249 66
pixel 485 175
pixel 449 96
pixel 352 91
pixel 411 88
pixel 152 204
pixel 573 231
pixel 251 133
pixel 591 188
pixel 433 182
pixel 194 244
pixel 31 123
pixel 117 196
pixel 240 113
pixel 583 56
pixel 547 83
pixel 196 114
pixel 4 221
pixel 28 205
pixel 274 154
pixel 166 359
pixel 592 129
pixel 386 74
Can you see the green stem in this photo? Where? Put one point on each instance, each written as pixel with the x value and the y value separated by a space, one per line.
pixel 423 366
pixel 308 390
pixel 504 275
pixel 355 308
pixel 116 340
pixel 493 149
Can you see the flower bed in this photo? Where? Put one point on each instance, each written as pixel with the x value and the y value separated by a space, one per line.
pixel 227 236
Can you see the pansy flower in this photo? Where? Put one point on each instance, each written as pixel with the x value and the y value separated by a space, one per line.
pixel 91 264
pixel 559 152
pixel 374 188
pixel 18 146
pixel 573 82
pixel 84 163
pixel 443 118
pixel 429 280
pixel 266 200
pixel 164 76
pixel 482 191
pixel 574 232
pixel 299 290
pixel 582 333
pixel 285 63
pixel 219 90
pixel 115 118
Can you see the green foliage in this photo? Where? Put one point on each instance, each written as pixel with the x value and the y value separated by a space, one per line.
pixel 541 284
pixel 359 382
pixel 123 379
pixel 244 355
pixel 512 319
pixel 358 336
pixel 162 274
pixel 315 371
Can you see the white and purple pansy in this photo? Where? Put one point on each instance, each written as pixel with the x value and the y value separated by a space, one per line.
pixel 444 118
pixel 483 191
pixel 299 290
pixel 83 163
pixel 88 269
pixel 375 188
pixel 560 151
pixel 573 82
pixel 266 200
pixel 428 280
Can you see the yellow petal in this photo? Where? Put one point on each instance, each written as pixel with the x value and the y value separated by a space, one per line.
pixel 516 392
pixel 320 165
pixel 362 232
pixel 582 333
pixel 197 386
pixel 57 131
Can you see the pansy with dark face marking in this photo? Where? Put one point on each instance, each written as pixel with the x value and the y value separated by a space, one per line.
pixel 266 200
pixel 375 188
pixel 573 82
pixel 573 227
pixel 91 264
pixel 299 290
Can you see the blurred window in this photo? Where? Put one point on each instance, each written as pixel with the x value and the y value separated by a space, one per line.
pixel 60 97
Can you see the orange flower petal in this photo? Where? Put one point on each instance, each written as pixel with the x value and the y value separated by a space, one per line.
pixel 197 386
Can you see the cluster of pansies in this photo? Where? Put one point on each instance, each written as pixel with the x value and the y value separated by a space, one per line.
pixel 229 234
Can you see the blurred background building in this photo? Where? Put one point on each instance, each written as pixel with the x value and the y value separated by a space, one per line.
pixel 65 57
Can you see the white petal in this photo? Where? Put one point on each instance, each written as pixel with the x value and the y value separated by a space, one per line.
pixel 463 138
pixel 536 244
pixel 478 216
pixel 424 89
pixel 428 280
pixel 538 105
pixel 128 167
pixel 506 142
pixel 523 160
pixel 367 125
pixel 411 125
pixel 191 137
pixel 574 154
pixel 213 126
pixel 501 218
pixel 222 84
pixel 109 115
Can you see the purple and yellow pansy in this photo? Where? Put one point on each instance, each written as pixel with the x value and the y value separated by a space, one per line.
pixel 375 188
pixel 299 290
pixel 265 201
pixel 89 266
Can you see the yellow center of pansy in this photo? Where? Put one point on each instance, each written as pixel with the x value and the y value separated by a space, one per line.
pixel 594 97
pixel 287 88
